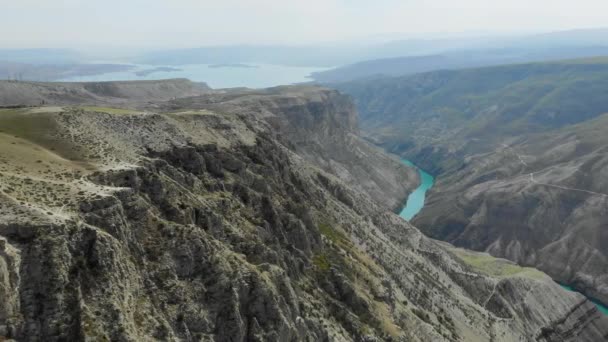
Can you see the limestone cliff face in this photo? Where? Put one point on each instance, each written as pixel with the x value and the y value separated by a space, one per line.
pixel 519 152
pixel 321 125
pixel 207 225
pixel 540 201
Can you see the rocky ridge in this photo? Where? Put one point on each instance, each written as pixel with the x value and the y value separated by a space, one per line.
pixel 206 224
pixel 519 152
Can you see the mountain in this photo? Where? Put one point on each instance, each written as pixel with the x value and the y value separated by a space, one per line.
pixel 377 54
pixel 461 59
pixel 579 38
pixel 16 93
pixel 406 57
pixel 519 154
pixel 213 218
pixel 324 132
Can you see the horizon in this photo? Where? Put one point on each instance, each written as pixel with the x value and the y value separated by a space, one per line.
pixel 189 24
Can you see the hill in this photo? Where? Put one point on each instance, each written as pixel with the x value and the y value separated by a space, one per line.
pixel 206 219
pixel 520 158
pixel 454 60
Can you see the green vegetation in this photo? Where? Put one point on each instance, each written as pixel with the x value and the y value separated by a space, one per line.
pixel 487 264
pixel 332 234
pixel 37 126
pixel 321 261
pixel 110 110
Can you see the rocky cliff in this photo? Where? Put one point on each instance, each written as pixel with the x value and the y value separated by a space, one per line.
pixel 520 155
pixel 540 201
pixel 206 224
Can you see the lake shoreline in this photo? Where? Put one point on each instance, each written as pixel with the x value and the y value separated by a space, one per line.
pixel 217 76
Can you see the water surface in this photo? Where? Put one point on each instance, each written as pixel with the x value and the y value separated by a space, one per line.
pixel 603 308
pixel 415 200
pixel 415 203
pixel 228 76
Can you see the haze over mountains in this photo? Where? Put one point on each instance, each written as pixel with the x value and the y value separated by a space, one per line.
pixel 286 171
pixel 371 58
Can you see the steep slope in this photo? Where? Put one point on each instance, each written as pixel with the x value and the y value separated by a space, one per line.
pixel 321 126
pixel 520 156
pixel 541 202
pixel 455 60
pixel 199 224
pixel 456 107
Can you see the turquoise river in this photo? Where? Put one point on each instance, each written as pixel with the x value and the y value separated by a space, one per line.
pixel 415 202
pixel 603 308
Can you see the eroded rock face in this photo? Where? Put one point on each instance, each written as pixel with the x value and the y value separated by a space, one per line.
pixel 207 226
pixel 9 286
pixel 541 202
pixel 519 152
pixel 321 125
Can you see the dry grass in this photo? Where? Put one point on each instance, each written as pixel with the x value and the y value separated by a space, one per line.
pixel 487 264
pixel 109 110
pixel 40 168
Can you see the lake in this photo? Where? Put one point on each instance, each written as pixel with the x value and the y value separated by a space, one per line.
pixel 216 76
pixel 415 201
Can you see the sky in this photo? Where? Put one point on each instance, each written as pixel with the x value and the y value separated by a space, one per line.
pixel 185 23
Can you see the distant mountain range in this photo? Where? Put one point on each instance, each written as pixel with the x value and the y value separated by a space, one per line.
pixel 353 60
pixel 134 211
pixel 401 66
pixel 467 51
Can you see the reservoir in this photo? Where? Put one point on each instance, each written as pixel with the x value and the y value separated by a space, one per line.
pixel 216 76
pixel 415 200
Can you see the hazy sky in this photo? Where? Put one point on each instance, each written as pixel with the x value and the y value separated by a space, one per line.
pixel 51 23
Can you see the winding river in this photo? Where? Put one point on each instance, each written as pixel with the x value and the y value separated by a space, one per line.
pixel 415 202
pixel 603 308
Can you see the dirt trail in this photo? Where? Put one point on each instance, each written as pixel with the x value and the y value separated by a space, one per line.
pixel 532 180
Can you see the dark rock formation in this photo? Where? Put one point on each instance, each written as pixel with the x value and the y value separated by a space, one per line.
pixel 520 154
pixel 204 225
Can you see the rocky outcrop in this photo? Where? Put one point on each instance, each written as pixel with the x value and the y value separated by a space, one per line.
pixel 205 225
pixel 539 202
pixel 320 125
